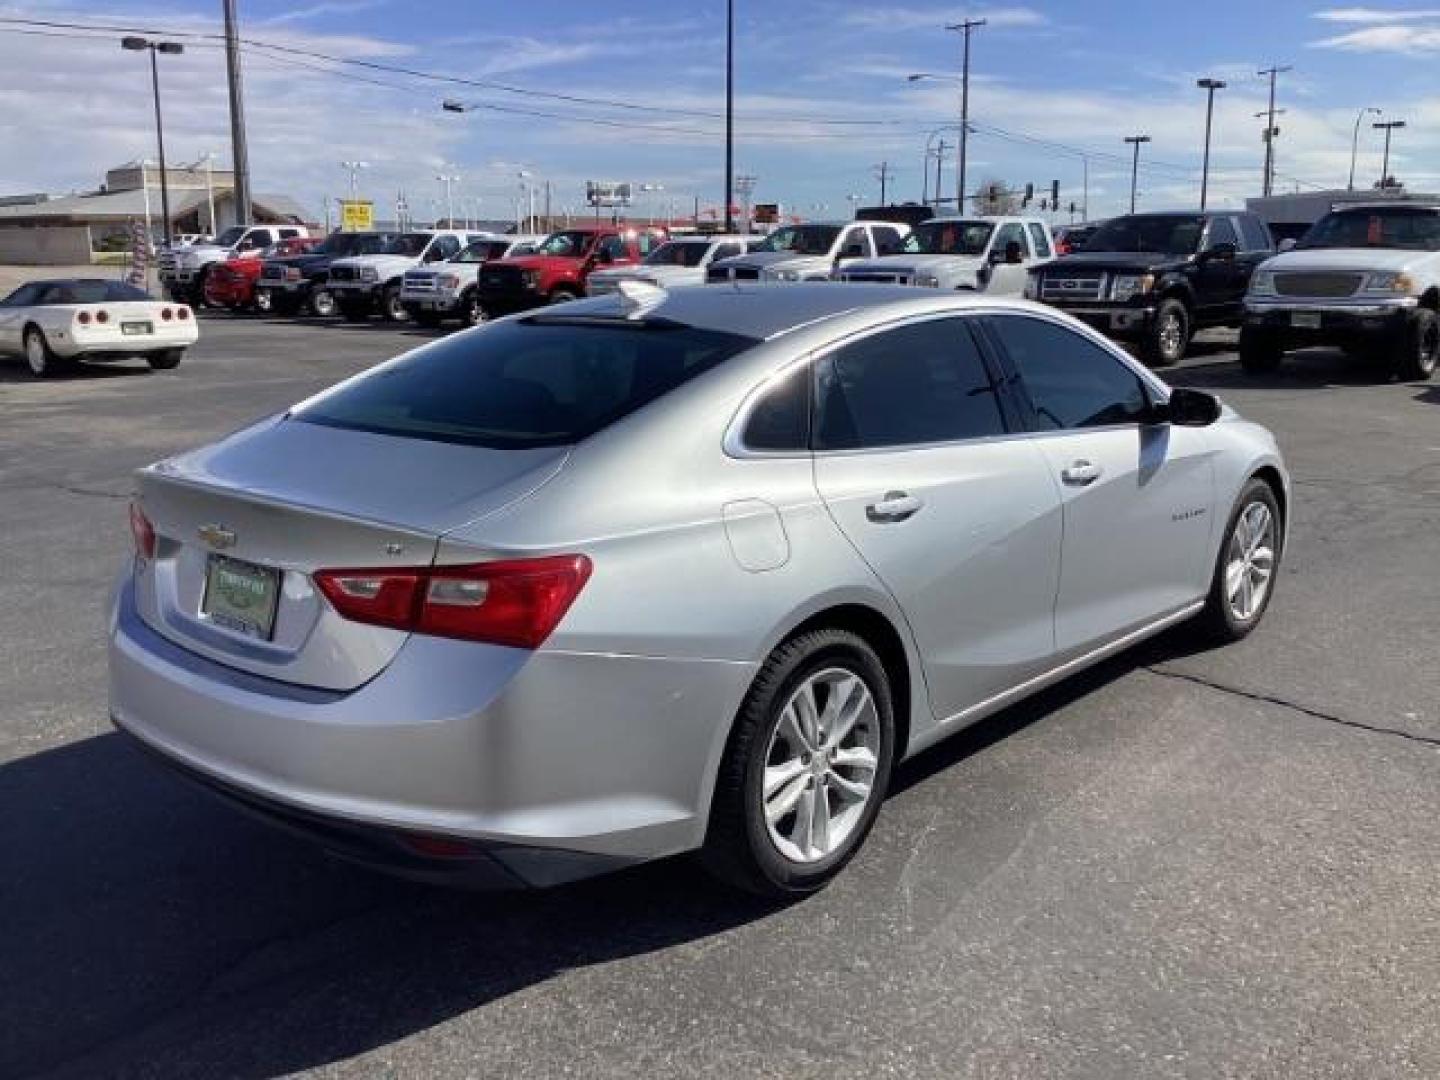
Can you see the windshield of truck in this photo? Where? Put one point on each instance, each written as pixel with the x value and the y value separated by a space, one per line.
pixel 802 239
pixel 678 253
pixel 482 251
pixel 1168 234
pixel 411 244
pixel 231 236
pixel 343 243
pixel 949 238
pixel 1409 228
pixel 571 243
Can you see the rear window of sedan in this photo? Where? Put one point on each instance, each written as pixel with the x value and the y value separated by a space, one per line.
pixel 526 384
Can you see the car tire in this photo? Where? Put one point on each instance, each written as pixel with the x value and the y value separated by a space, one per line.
pixel 1167 339
pixel 40 358
pixel 771 842
pixel 198 299
pixel 391 307
pixel 562 294
pixel 471 311
pixel 321 303
pixel 264 302
pixel 1260 350
pixel 167 360
pixel 1419 347
pixel 1232 608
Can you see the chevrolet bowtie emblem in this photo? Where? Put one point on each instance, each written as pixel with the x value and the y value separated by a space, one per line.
pixel 217 536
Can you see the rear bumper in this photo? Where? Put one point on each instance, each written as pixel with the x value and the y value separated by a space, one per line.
pixel 559 764
pixel 94 344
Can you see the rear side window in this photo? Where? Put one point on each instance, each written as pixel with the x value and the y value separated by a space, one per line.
pixel 1255 233
pixel 888 240
pixel 520 385
pixel 1222 232
pixel 1040 239
pixel 780 421
pixel 922 383
pixel 1071 381
pixel 1009 234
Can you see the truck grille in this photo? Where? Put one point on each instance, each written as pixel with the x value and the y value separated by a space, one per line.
pixel 876 277
pixel 1076 285
pixel 419 282
pixel 344 273
pixel 1318 283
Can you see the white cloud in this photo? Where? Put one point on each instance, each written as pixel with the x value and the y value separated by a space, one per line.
pixel 325 7
pixel 912 18
pixel 1376 15
pixel 1407 40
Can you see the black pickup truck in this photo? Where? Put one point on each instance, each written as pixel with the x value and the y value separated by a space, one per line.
pixel 297 282
pixel 1154 279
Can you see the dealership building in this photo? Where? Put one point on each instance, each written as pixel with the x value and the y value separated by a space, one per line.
pixel 38 229
pixel 1289 216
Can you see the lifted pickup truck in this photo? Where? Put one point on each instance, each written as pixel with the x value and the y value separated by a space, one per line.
pixel 975 254
pixel 365 284
pixel 1366 278
pixel 558 269
pixel 297 282
pixel 1154 279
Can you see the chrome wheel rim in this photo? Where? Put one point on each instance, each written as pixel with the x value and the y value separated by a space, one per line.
pixel 1250 563
pixel 820 765
pixel 322 303
pixel 1170 335
pixel 1430 347
pixel 262 300
pixel 35 353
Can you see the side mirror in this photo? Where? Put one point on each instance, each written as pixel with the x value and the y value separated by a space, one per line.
pixel 1222 252
pixel 1286 245
pixel 1189 408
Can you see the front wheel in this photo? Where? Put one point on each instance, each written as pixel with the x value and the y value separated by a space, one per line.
pixel 264 301
pixel 471 311
pixel 1244 577
pixel 391 307
pixel 1419 347
pixel 1169 335
pixel 322 303
pixel 43 362
pixel 806 767
pixel 166 360
pixel 1260 350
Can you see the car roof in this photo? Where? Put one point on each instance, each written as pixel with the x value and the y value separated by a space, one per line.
pixel 765 311
pixel 1370 208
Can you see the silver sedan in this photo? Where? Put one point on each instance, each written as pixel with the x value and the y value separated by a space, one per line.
pixel 656 572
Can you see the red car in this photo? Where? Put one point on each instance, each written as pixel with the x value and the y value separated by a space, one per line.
pixel 231 284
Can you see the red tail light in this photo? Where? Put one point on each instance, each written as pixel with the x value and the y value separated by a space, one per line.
pixel 102 316
pixel 142 532
pixel 182 313
pixel 83 318
pixel 515 602
pixel 166 314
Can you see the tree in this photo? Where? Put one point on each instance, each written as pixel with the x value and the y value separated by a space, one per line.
pixel 992 197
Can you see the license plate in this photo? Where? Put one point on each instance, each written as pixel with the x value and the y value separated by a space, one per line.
pixel 1305 320
pixel 135 329
pixel 241 596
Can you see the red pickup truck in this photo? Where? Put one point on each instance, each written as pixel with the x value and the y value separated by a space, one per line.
pixel 231 284
pixel 559 267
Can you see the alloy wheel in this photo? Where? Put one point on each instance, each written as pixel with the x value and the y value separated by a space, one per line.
pixel 1429 348
pixel 322 302
pixel 35 353
pixel 1250 562
pixel 1171 337
pixel 820 765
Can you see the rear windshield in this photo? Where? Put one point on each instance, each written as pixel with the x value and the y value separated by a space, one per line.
pixel 89 292
pixel 514 386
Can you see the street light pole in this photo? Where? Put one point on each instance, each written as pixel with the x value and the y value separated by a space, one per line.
pixel 239 153
pixel 729 114
pixel 1209 86
pixel 1135 140
pixel 1387 126
pixel 1268 185
pixel 138 44
pixel 966 27
pixel 1355 140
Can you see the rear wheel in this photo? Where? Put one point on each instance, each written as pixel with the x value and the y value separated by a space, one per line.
pixel 1419 347
pixel 322 303
pixel 1169 335
pixel 1245 569
pixel 43 363
pixel 471 312
pixel 166 360
pixel 1260 350
pixel 806 767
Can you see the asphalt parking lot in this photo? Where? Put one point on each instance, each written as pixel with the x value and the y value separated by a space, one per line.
pixel 1181 864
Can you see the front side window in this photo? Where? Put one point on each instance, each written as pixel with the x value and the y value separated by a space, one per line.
pixel 571 243
pixel 1255 233
pixel 920 383
pixel 678 253
pixel 1222 232
pixel 230 236
pixel 856 242
pixel 1071 381
pixel 613 248
pixel 1009 234
pixel 1040 240
pixel 521 385
pixel 888 240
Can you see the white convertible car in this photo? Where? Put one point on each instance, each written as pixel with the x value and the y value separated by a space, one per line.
pixel 54 324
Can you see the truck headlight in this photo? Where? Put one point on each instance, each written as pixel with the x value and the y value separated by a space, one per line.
pixel 1389 282
pixel 369 273
pixel 1128 286
pixel 927 281
pixel 448 281
pixel 785 275
pixel 1262 283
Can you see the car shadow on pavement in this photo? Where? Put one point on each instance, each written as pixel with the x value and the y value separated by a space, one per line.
pixel 18 372
pixel 1300 370
pixel 150 929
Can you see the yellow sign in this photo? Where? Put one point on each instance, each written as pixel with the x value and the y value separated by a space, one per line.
pixel 357 215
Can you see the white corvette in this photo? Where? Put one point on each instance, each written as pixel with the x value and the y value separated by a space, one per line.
pixel 54 324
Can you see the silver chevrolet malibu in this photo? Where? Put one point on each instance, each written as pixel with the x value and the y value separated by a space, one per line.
pixel 660 572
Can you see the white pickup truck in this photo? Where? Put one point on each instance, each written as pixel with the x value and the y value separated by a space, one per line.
pixel 183 269
pixel 809 252
pixel 365 284
pixel 978 254
pixel 1365 278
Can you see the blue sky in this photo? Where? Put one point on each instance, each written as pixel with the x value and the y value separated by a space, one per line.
pixel 821 95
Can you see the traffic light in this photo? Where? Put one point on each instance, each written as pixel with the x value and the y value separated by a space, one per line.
pixel 1054 194
pixel 1029 195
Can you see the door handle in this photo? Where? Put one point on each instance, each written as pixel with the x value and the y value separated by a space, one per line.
pixel 895 506
pixel 1081 473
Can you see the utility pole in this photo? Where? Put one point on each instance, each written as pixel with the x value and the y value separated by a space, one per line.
pixel 239 154
pixel 1387 126
pixel 729 114
pixel 1135 140
pixel 1270 130
pixel 1355 141
pixel 967 28
pixel 939 154
pixel 1209 86
pixel 882 172
pixel 1085 190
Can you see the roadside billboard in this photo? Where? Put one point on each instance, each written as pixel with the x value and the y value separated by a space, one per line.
pixel 607 193
pixel 357 215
